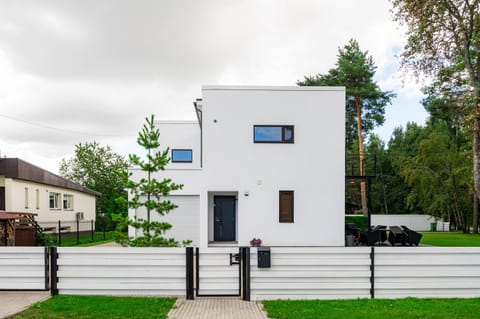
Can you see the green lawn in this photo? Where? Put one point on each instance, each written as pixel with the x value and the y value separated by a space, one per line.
pixel 98 307
pixel 374 308
pixel 450 239
pixel 83 240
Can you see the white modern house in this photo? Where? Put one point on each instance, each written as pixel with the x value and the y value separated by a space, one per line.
pixel 260 162
pixel 26 188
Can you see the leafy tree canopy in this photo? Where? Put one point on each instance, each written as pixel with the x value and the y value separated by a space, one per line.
pixel 99 168
pixel 355 70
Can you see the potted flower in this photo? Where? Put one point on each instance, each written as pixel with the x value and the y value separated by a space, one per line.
pixel 256 242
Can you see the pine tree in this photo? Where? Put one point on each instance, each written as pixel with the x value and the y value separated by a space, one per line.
pixel 149 192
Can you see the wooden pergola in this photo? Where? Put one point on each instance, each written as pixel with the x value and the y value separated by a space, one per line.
pixel 17 229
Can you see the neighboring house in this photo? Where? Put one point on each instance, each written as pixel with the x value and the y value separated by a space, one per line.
pixel 263 162
pixel 27 188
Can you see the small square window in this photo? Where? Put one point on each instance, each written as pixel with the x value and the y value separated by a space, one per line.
pixel 182 156
pixel 273 134
pixel 286 207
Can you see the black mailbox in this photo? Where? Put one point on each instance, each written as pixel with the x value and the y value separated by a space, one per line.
pixel 263 254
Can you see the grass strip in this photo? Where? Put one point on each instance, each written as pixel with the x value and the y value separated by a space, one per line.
pixel 450 239
pixel 99 307
pixel 374 308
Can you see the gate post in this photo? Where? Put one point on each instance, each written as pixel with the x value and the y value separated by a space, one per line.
pixel 189 274
pixel 245 272
pixel 372 272
pixel 47 268
pixel 53 271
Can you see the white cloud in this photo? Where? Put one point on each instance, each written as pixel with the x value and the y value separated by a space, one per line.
pixel 98 67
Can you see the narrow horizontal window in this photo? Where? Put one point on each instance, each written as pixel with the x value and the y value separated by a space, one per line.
pixel 182 156
pixel 273 133
pixel 286 207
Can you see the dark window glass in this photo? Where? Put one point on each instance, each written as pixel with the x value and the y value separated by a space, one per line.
pixel 273 134
pixel 286 207
pixel 182 156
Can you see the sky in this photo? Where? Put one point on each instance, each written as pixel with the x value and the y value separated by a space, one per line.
pixel 82 71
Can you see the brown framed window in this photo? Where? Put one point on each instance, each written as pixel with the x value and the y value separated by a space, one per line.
pixel 286 206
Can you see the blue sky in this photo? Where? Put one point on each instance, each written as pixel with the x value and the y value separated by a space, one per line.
pixel 78 71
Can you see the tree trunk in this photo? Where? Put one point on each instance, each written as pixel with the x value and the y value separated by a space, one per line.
pixel 475 213
pixel 361 154
pixel 476 171
pixel 476 153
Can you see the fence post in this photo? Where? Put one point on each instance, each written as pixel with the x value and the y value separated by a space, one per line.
pixel 92 230
pixel 46 255
pixel 59 233
pixel 189 275
pixel 372 272
pixel 53 271
pixel 78 231
pixel 245 259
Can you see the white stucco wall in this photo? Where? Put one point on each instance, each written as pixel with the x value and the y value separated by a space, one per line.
pixel 313 167
pixel 184 219
pixel 15 202
pixel 181 135
pixel 415 222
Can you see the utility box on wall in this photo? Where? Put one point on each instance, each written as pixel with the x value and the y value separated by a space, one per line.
pixel 264 257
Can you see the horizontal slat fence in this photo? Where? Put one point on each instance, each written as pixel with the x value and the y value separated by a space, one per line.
pixel 295 272
pixel 121 271
pixel 312 273
pixel 427 272
pixel 23 268
pixel 215 274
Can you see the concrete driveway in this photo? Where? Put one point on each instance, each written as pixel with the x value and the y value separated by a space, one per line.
pixel 16 301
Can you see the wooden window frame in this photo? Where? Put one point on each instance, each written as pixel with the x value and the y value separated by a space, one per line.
pixel 292 213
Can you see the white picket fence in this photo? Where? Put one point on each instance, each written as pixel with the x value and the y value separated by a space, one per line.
pixel 23 268
pixel 295 272
pixel 121 271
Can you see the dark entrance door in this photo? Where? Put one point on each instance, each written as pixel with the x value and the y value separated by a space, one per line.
pixel 224 218
pixel 2 198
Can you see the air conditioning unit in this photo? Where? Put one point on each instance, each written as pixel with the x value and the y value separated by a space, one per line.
pixel 79 216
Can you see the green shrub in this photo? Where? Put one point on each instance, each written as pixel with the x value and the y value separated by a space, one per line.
pixel 359 220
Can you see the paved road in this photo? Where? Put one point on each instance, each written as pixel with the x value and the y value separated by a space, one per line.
pixel 13 302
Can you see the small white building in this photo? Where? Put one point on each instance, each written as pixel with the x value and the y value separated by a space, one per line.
pixel 260 162
pixel 30 189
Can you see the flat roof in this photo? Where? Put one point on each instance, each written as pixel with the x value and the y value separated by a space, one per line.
pixel 20 169
pixel 176 122
pixel 270 88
